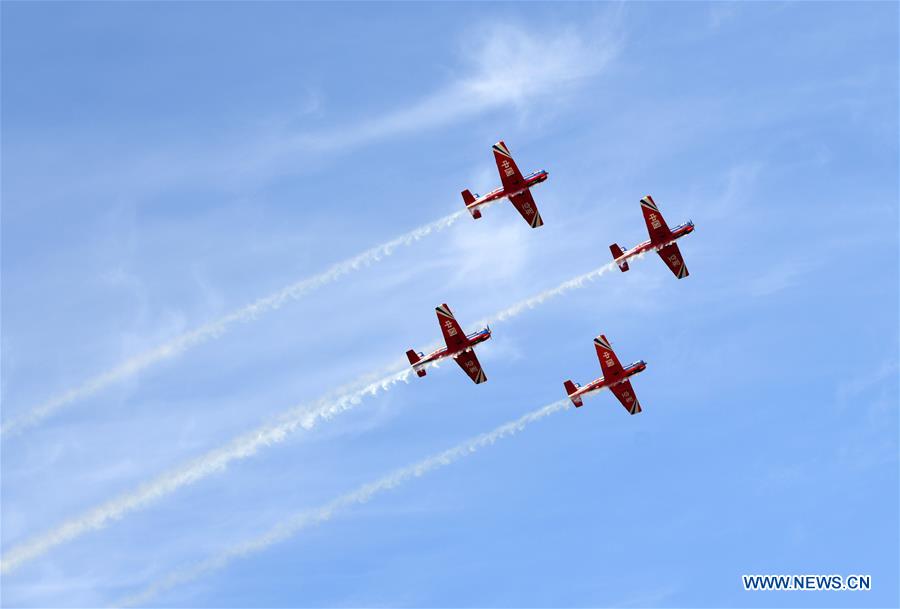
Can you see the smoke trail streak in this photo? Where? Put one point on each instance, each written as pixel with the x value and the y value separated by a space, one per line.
pixel 214 461
pixel 539 299
pixel 216 328
pixel 293 525
pixel 299 418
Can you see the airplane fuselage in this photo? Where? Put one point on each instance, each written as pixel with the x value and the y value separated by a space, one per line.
pixel 474 338
pixel 532 179
pixel 648 246
pixel 601 383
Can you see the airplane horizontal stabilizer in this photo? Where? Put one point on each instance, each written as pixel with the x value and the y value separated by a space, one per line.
pixel 570 389
pixel 414 359
pixel 468 199
pixel 617 253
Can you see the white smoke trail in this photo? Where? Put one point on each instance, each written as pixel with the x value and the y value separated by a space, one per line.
pixel 539 299
pixel 216 328
pixel 296 419
pixel 216 460
pixel 293 525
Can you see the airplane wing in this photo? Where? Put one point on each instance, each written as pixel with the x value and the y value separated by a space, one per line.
pixel 656 226
pixel 453 334
pixel 510 175
pixel 671 255
pixel 608 360
pixel 625 393
pixel 470 365
pixel 524 204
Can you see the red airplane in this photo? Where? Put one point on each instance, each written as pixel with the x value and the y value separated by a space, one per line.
pixel 459 347
pixel 662 239
pixel 614 376
pixel 515 186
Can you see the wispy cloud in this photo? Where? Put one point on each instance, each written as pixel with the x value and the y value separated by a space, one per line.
pixel 507 66
pixel 504 245
pixel 852 386
pixel 775 279
pixel 293 525
pixel 301 418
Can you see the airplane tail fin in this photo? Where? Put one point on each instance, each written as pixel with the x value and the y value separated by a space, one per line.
pixel 413 360
pixel 617 252
pixel 570 389
pixel 468 199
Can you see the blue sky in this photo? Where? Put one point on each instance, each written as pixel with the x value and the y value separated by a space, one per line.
pixel 165 164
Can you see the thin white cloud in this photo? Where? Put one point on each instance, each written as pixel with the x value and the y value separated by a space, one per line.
pixel 301 418
pixel 503 245
pixel 505 66
pixel 777 278
pixel 855 385
pixel 291 526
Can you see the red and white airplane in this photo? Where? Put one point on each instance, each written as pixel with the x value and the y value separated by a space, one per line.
pixel 515 187
pixel 662 239
pixel 459 347
pixel 614 376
